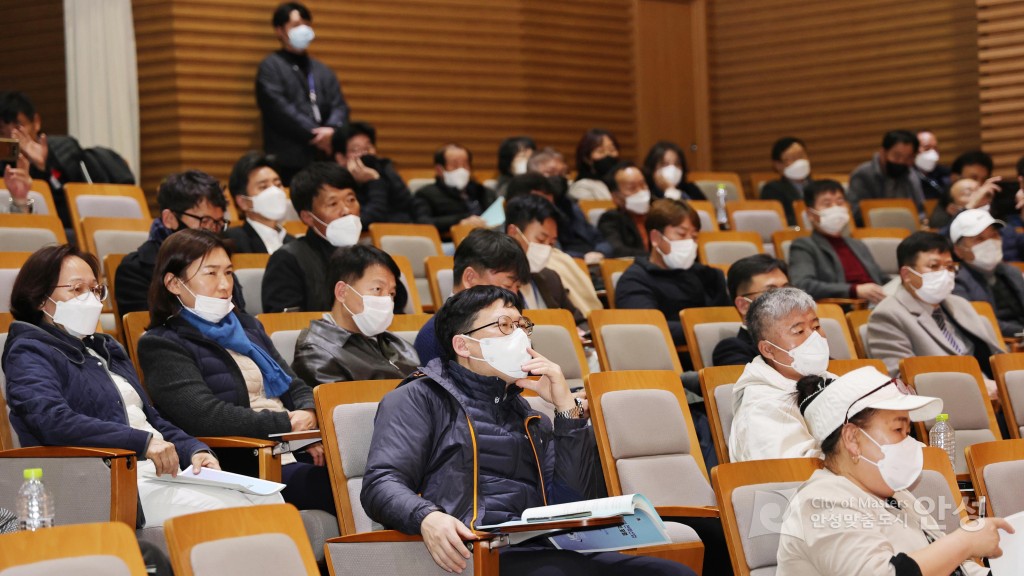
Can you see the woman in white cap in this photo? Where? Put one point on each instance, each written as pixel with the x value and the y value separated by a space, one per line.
pixel 856 516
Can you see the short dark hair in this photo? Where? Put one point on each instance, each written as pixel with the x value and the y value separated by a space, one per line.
pixel 238 181
pixel 508 149
pixel 339 142
pixel 666 212
pixel 525 184
pixel 972 158
pixel 308 182
pixel 176 254
pixel 458 313
pixel 350 263
pixel 38 277
pixel 284 11
pixel 486 249
pixel 524 209
pixel 14 103
pixel 440 152
pixel 809 385
pixel 782 144
pixel 894 137
pixel 182 191
pixel 742 271
pixel 656 153
pixel 590 140
pixel 613 186
pixel 816 188
pixel 918 242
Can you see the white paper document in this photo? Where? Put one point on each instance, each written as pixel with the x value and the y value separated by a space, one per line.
pixel 221 479
pixel 1011 563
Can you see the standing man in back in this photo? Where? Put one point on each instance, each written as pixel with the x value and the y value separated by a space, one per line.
pixel 299 96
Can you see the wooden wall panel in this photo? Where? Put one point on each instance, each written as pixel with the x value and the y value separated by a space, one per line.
pixel 1001 62
pixel 839 75
pixel 33 58
pixel 423 71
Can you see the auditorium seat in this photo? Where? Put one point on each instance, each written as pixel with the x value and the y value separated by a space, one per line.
pixel 611 270
pixel 996 469
pixel 593 209
pixel 413 304
pixel 10 266
pixel 42 198
pixel 706 213
pixel 633 340
pixel 105 200
pixel 890 213
pixel 30 232
pixel 1008 371
pixel 248 271
pixel 705 328
pixel 783 239
pixel 708 183
pixel 724 248
pixel 440 280
pixel 937 486
pixel 837 332
pixel 556 337
pixel 415 242
pixel 105 235
pixel 762 216
pixel 882 243
pixel 94 549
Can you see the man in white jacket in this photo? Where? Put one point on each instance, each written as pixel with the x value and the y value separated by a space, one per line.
pixel 766 424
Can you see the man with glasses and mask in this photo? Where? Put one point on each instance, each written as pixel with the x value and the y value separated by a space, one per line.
pixel 455 446
pixel 766 424
pixel 924 317
pixel 190 199
pixel 749 278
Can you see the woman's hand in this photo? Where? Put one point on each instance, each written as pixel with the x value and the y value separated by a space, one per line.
pixel 982 537
pixel 551 386
pixel 202 460
pixel 316 451
pixel 164 456
pixel 443 536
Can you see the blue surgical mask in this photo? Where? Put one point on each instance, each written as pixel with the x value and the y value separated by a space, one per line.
pixel 301 36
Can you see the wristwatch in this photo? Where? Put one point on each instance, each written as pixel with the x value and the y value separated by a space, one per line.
pixel 574 413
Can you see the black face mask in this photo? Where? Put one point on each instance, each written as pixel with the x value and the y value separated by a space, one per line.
pixel 603 166
pixel 370 161
pixel 896 170
pixel 559 186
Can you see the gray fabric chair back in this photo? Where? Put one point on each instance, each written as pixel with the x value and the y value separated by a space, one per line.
pixel 555 344
pixel 445 281
pixel 966 407
pixel 360 559
pixel 354 426
pixel 594 215
pixel 407 335
pixel 256 555
pixel 932 491
pixel 893 218
pixel 764 222
pixel 710 334
pixel 284 341
pixel 647 432
pixel 1015 389
pixel 24 240
pixel 786 245
pixel 728 251
pixel 636 347
pixel 835 333
pixel 109 206
pixel 415 248
pixel 883 250
pixel 80 486
pixel 723 396
pixel 117 242
pixel 707 221
pixel 7 276
pixel 1004 491
pixel 408 303
pixel 541 405
pixel 415 184
pixel 760 509
pixel 251 280
pixel 39 201
pixel 97 565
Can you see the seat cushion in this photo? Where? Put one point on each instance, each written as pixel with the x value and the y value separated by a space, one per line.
pixel 760 510
pixel 636 347
pixel 99 565
pixel 269 553
pixel 1004 490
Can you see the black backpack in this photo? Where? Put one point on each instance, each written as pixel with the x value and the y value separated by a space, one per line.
pixel 103 165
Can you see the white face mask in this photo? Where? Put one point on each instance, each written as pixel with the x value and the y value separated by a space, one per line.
pixel 988 254
pixel 901 463
pixel 301 36
pixel 935 286
pixel 377 314
pixel 681 254
pixel 271 203
pixel 458 178
pixel 926 161
pixel 519 166
pixel 78 315
pixel 342 232
pixel 798 170
pixel 832 220
pixel 506 354
pixel 809 358
pixel 672 174
pixel 537 254
pixel 211 309
pixel 639 203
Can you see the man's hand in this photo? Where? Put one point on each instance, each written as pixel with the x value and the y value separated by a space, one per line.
pixel 982 195
pixel 35 152
pixel 322 138
pixel 17 181
pixel 592 258
pixel 443 536
pixel 164 456
pixel 551 386
pixel 316 451
pixel 361 172
pixel 202 460
pixel 871 292
pixel 302 420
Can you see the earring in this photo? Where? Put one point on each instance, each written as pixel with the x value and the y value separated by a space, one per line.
pixel 856 459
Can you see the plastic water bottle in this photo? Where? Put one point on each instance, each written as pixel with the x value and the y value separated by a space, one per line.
pixel 35 504
pixel 942 436
pixel 721 195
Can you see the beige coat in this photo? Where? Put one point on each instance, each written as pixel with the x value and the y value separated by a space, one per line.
pixel 902 326
pixel 833 528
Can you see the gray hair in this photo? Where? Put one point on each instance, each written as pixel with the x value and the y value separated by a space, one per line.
pixel 773 306
pixel 537 159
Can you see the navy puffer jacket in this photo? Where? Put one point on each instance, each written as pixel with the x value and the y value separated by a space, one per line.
pixel 445 440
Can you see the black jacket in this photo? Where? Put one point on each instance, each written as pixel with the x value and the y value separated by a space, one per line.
pixel 386 199
pixel 620 231
pixel 576 235
pixel 326 352
pixel 296 276
pixel 786 193
pixel 282 93
pixel 444 206
pixel 647 287
pixel 1009 308
pixel 739 350
pixel 246 241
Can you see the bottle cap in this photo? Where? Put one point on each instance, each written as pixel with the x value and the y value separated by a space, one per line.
pixel 33 473
pixel 942 418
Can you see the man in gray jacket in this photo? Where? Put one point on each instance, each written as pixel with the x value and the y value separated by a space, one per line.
pixel 983 276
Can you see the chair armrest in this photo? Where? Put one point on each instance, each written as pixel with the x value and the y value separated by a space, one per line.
pixel 66 452
pixel 263 449
pixel 687 511
pixel 376 536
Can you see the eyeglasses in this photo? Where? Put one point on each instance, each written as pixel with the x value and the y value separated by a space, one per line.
pixel 209 223
pixel 507 325
pixel 903 388
pixel 99 290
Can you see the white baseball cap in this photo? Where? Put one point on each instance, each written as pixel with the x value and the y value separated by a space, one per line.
pixel 970 223
pixel 833 405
